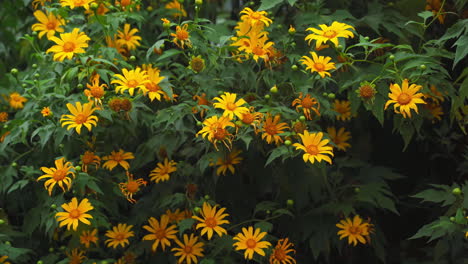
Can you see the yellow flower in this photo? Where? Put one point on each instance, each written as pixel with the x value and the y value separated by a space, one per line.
pixel 16 101
pixel 215 129
pixel 252 118
pixel 76 3
pixel 75 213
pixel 3 260
pixel 340 139
pixel 80 116
pixel 68 44
pixel 163 171
pixel 319 64
pixel 281 251
pixel 201 100
pixel 357 230
pixel 177 215
pixel 343 108
pixel 48 24
pixel 181 37
pixel 228 162
pixel 405 98
pixel 314 147
pixel 160 232
pixel 130 187
pixel 228 103
pixel 37 3
pixel 117 158
pixel 250 241
pixel 271 128
pixel 119 235
pixel 329 33
pixel 435 111
pixel 46 111
pixel 177 8
pixel 76 256
pixel 89 158
pixel 95 90
pixel 211 220
pixel 197 64
pixel 166 22
pixel 153 89
pixel 89 236
pixel 130 80
pixel 3 117
pixel 307 103
pixel 58 175
pixel 128 38
pixel 255 17
pixel 436 6
pixel 189 250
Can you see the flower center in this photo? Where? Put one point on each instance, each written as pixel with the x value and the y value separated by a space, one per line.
pixel 251 243
pixel 69 46
pixel 74 214
pixel 97 92
pixel 79 2
pixel 220 133
pixel 319 67
pixel 366 91
pixel 280 254
pixel 59 174
pixel 258 51
pixel 132 186
pixel 50 25
pixel 256 15
pixel 202 101
pixel 271 129
pixel 188 249
pixel 211 222
pixel 152 87
pixel 81 118
pixel 182 34
pixel 329 34
pixel 354 230
pixel 312 149
pixel 120 237
pixel 197 64
pixel 247 118
pixel 132 83
pixel 231 106
pixel 160 233
pixel 404 99
pixel 117 157
pixel 307 102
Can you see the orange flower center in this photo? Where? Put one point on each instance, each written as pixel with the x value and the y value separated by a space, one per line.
pixel 69 46
pixel 280 254
pixel 132 83
pixel 117 157
pixel 188 249
pixel 220 133
pixel 307 102
pixel 312 149
pixel 125 2
pixel 247 118
pixel 120 237
pixel 319 66
pixel 271 129
pixel 354 230
pixel 15 97
pixel 59 174
pixel 258 51
pixel 197 64
pixel 251 243
pixel 330 34
pixel 81 118
pixel 79 2
pixel 366 91
pixel 160 233
pixel 211 222
pixel 97 92
pixel 404 98
pixel 231 106
pixel 132 186
pixel 202 101
pixel 255 16
pixel 182 34
pixel 152 87
pixel 51 25
pixel 74 214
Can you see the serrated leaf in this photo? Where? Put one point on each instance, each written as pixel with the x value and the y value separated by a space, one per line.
pixel 185 224
pixel 264 226
pixel 277 152
pixel 462 49
pixel 268 4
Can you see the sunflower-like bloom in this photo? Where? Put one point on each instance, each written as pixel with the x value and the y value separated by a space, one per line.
pixel 271 128
pixel 95 91
pixel 307 104
pixel 68 44
pixel 89 236
pixel 197 64
pixel 340 138
pixel 76 256
pixel 117 158
pixel 314 147
pixel 251 242
pixel 16 101
pixel 81 115
pixel 130 80
pixel 153 90
pixel 181 37
pixel 437 9
pixel 281 251
pixel 48 24
pixel 357 230
pixel 160 232
pixel 211 220
pixel 3 117
pixel 252 118
pixel 76 3
pixel 89 158
pixel 178 215
pixel 405 98
pixel 46 111
pixel 119 235
pixel 3 260
pixel 255 17
pixel 319 64
pixel 163 171
pixel 189 250
pixel 75 213
pixel 343 108
pixel 215 130
pixel 131 187
pixel 228 162
pixel 231 108
pixel 127 37
pixel 112 43
pixel 329 33
pixel 177 7
pixel 58 175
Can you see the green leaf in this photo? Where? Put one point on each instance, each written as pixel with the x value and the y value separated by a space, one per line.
pixel 268 4
pixel 282 211
pixel 264 206
pixel 425 14
pixel 185 224
pixel 156 45
pixel 277 152
pixel 462 49
pixel 168 53
pixel 292 2
pixel 443 196
pixel 264 226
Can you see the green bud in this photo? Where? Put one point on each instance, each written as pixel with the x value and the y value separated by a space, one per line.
pixel 220 92
pixel 180 1
pixel 80 86
pixel 207 197
pixel 34 33
pixel 199 123
pixel 162 46
pixel 63 248
pixel 53 206
pixel 77 168
pixel 452 219
pixel 2 221
pixel 331 95
pixel 392 57
pixel 366 38
pixel 251 3
pixel 457 191
pixel 325 94
pixel 132 58
pixel 290 202
pixel 302 118
pixel 37 75
pixel 8 243
pixel 357 190
pixel 34 66
pixel 94 6
pixel 61 145
pixel 294 67
pixel 268 212
pixel 293 44
pixel 51 249
pixel 24 85
pixel 199 2
pixel 422 67
pixel 14 71
pixel 274 89
pixel 239 123
pixel 104 262
pixel 40 262
pixel 197 209
pixel 279 26
pixel 149 8
pixel 14 164
pixel 287 142
pixel 5 126
pixel 267 96
pixel 339 47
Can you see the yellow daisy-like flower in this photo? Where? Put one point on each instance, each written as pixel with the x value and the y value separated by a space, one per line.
pixel 46 111
pixel 119 235
pixel 89 158
pixel 48 24
pixel 75 213
pixel 307 104
pixel 211 220
pixel 76 3
pixel 231 108
pixel 3 117
pixel 89 236
pixel 76 256
pixel 95 91
pixel 255 17
pixel 343 108
pixel 117 158
pixel 178 215
pixel 271 128
pixel 153 90
pixel 16 101
pixel 252 118
pixel 3 260
pixel 329 33
pixel 131 187
pixel 314 147
pixel 39 3
pixel 435 111
pixel 319 64
pixel 181 37
pixel 127 37
pixel 215 130
pixel 68 44
pixel 81 115
pixel 58 175
pixel 112 43
pixel 177 7
pixel 189 250
pixel 161 233
pixel 163 171
pixel 281 251
pixel 228 162
pixel 357 230
pixel 405 98
pixel 340 138
pixel 250 241
pixel 130 80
